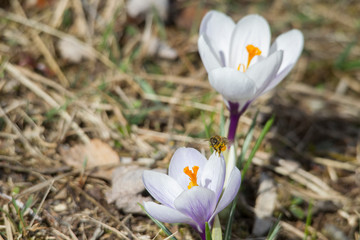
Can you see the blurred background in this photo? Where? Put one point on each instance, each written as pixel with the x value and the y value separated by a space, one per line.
pixel 93 92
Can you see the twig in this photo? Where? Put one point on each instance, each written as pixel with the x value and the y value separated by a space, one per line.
pixel 43 49
pixel 41 203
pixel 59 12
pixel 295 172
pixel 46 81
pixel 114 230
pixel 166 136
pixel 54 32
pixel 80 20
pixel 73 236
pixel 178 80
pixel 182 102
pixel 92 200
pixel 7 223
pixel 337 164
pixel 60 234
pixel 15 128
pixel 38 91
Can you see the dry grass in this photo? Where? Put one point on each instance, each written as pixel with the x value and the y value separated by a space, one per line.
pixel 146 107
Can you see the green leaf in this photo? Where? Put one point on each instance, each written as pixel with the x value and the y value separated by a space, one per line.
pixel 341 60
pixel 160 225
pixel 207 126
pixel 207 231
pixel 222 121
pixel 274 231
pixel 308 219
pixel 247 141
pixel 28 203
pixel 297 211
pixel 145 86
pixel 15 190
pixel 296 201
pixel 350 65
pixel 249 160
pixel 257 145
pixel 231 218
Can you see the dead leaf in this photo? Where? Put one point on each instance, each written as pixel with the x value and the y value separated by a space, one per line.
pixel 127 186
pixel 96 154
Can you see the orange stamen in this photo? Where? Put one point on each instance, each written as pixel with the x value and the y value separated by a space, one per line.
pixel 192 176
pixel 253 51
pixel 241 65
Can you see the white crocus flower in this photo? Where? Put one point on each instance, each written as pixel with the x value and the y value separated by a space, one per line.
pixel 193 190
pixel 240 62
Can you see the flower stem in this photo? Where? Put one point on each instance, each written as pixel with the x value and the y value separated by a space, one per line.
pixel 235 115
pixel 234 119
pixel 203 235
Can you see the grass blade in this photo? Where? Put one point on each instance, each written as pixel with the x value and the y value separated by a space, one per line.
pixel 274 231
pixel 160 225
pixel 247 141
pixel 206 126
pixel 248 162
pixel 308 220
pixel 257 145
pixel 207 231
pixel 227 235
pixel 222 122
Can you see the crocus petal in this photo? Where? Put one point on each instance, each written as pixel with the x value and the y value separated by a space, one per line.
pixel 218 28
pixel 209 58
pixel 162 187
pixel 185 157
pixel 198 203
pixel 292 43
pixel 230 191
pixel 213 176
pixel 231 160
pixel 252 29
pixel 167 214
pixel 234 85
pixel 265 71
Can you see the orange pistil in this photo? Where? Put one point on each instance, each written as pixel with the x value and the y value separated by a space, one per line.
pixel 253 51
pixel 192 176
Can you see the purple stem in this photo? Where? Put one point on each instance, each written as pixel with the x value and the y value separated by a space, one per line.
pixel 235 115
pixel 203 235
pixel 234 119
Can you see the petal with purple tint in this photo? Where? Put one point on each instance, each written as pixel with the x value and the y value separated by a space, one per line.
pixel 213 176
pixel 230 191
pixel 167 214
pixel 198 203
pixel 185 157
pixel 162 187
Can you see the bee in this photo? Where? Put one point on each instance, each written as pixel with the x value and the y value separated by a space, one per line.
pixel 218 143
